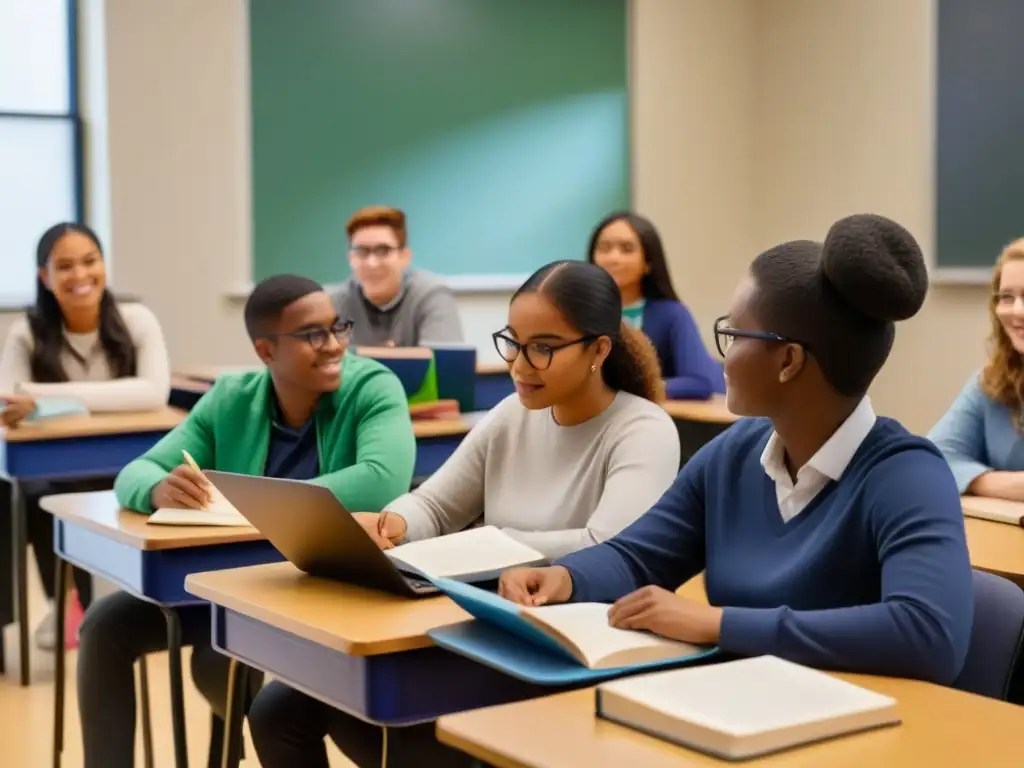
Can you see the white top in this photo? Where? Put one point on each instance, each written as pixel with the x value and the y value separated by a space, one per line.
pixel 826 465
pixel 90 377
pixel 556 489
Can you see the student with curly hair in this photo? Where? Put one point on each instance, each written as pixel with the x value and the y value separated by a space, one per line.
pixel 982 434
pixel 828 536
pixel 578 453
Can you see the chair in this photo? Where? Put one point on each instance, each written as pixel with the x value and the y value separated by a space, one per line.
pixel 996 637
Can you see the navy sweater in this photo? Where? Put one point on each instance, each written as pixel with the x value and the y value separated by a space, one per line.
pixel 689 371
pixel 872 576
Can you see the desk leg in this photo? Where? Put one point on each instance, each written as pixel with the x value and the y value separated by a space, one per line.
pixel 147 719
pixel 177 688
pixel 238 690
pixel 60 654
pixel 19 538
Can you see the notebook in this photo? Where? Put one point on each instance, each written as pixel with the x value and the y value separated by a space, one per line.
pixel 53 407
pixel 578 630
pixel 219 512
pixel 998 510
pixel 742 709
pixel 476 554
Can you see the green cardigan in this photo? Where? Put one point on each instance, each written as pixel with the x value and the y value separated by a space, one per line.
pixel 363 433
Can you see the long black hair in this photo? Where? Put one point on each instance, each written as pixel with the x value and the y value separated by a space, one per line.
pixel 46 320
pixel 590 301
pixel 657 283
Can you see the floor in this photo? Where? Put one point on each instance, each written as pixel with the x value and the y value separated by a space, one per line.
pixel 27 713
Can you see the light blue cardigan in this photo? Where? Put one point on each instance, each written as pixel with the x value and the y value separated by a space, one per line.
pixel 977 436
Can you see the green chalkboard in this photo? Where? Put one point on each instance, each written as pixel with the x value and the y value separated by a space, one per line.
pixel 499 126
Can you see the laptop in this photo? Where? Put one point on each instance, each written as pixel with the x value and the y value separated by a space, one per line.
pixel 311 528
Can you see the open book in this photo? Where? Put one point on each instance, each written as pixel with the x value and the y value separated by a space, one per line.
pixel 220 511
pixel 579 631
pixel 744 708
pixel 476 554
pixel 999 510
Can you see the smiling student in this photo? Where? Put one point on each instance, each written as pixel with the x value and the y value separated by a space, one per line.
pixel 577 454
pixel 828 537
pixel 314 413
pixel 392 304
pixel 76 342
pixel 629 247
pixel 982 434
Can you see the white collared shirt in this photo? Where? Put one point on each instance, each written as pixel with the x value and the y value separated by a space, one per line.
pixel 826 465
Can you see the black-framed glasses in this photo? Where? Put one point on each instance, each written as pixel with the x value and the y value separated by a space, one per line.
pixel 381 251
pixel 318 338
pixel 725 335
pixel 537 353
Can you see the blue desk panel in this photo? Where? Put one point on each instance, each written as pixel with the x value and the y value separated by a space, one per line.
pixel 491 389
pixel 390 689
pixel 77 458
pixel 432 452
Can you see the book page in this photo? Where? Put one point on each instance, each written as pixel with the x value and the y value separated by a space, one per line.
pixel 485 550
pixel 220 511
pixel 999 510
pixel 600 645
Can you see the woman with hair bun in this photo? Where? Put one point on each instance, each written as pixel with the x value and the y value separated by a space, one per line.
pixel 982 434
pixel 829 536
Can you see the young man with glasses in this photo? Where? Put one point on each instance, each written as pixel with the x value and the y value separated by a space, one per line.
pixel 392 304
pixel 313 413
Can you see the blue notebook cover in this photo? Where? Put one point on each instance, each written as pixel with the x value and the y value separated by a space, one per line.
pixel 51 407
pixel 500 638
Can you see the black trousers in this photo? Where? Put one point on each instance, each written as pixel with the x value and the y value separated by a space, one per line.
pixel 117 631
pixel 288 729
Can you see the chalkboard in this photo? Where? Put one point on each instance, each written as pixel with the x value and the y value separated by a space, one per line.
pixel 980 140
pixel 499 126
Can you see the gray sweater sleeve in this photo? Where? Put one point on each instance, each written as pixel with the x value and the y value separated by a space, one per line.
pixel 438 320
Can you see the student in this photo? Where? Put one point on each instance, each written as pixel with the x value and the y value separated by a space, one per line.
pixel 829 537
pixel 982 434
pixel 392 304
pixel 76 342
pixel 573 457
pixel 629 247
pixel 314 413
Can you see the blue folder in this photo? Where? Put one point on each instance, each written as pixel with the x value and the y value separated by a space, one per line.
pixel 500 638
pixel 52 407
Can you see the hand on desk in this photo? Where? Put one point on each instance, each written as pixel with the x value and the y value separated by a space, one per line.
pixel 183 488
pixel 17 408
pixel 536 586
pixel 667 614
pixel 393 532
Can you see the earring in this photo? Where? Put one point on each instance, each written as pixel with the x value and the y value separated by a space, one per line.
pixel 593 369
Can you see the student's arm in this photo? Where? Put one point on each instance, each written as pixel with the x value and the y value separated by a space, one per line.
pixel 439 318
pixel 14 360
pixel 148 390
pixel 960 435
pixel 135 483
pixel 453 497
pixel 698 376
pixel 665 547
pixel 642 464
pixel 385 448
pixel 921 625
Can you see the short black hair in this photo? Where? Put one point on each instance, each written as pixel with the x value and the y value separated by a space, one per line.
pixel 657 283
pixel 842 297
pixel 269 298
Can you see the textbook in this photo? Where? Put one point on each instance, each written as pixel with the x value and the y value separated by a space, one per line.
pixel 219 512
pixel 476 554
pixel 742 709
pixel 578 631
pixel 998 510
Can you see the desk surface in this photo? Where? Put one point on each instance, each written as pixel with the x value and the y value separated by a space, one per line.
pixel 996 547
pixel 941 727
pixel 93 425
pixel 712 411
pixel 99 511
pixel 440 427
pixel 350 619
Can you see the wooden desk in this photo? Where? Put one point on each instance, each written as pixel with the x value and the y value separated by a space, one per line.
pixel 69 448
pixel 996 547
pixel 699 422
pixel 942 728
pixel 149 561
pixel 361 651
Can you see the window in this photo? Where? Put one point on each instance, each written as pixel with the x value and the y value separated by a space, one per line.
pixel 40 135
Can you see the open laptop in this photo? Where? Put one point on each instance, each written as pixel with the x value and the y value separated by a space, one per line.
pixel 311 528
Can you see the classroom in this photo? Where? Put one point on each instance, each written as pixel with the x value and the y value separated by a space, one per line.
pixel 674 263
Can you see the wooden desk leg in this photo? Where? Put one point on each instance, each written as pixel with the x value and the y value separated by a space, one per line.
pixel 19 524
pixel 147 719
pixel 60 653
pixel 234 714
pixel 177 687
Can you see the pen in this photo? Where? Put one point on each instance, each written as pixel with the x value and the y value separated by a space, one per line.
pixel 192 463
pixel 382 521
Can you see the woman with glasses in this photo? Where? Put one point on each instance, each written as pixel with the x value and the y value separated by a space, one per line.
pixel 829 536
pixel 629 248
pixel 575 455
pixel 982 434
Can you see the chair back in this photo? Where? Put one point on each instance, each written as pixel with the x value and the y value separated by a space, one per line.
pixel 996 637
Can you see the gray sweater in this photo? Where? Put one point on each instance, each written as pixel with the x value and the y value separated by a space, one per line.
pixel 557 489
pixel 424 312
